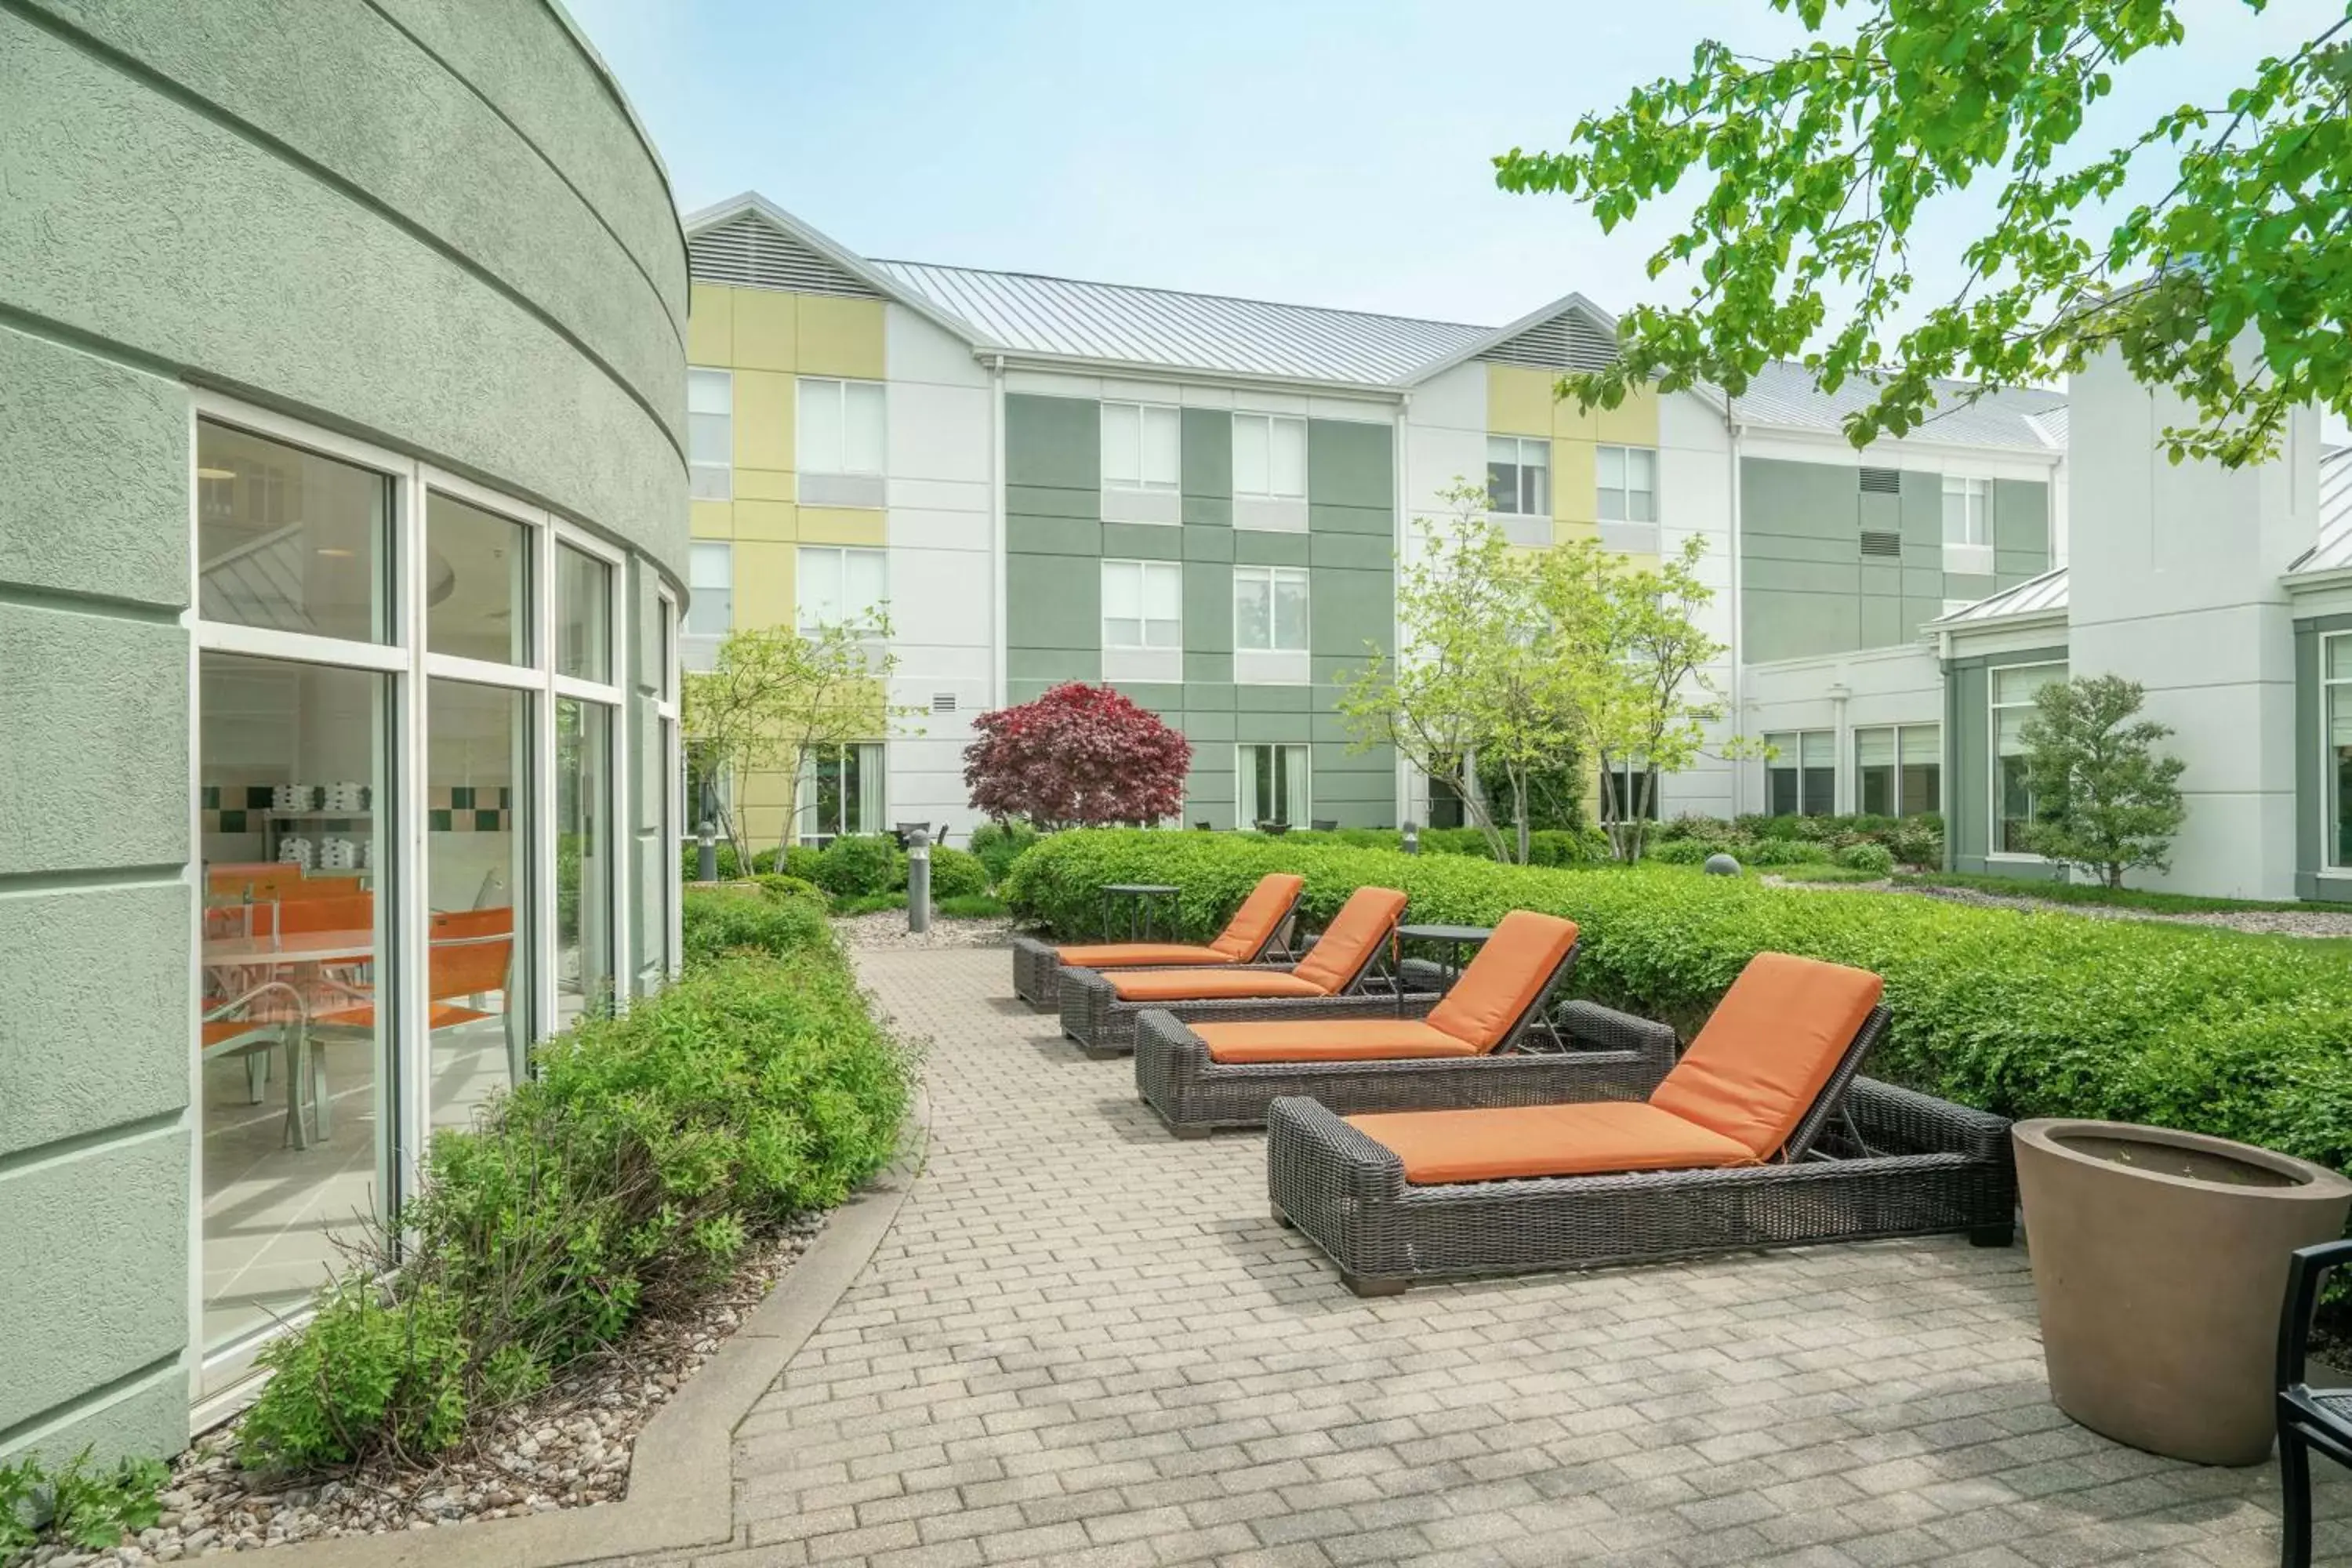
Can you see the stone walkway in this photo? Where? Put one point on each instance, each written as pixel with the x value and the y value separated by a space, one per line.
pixel 1086 1344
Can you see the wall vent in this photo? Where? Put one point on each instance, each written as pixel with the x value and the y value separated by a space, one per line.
pixel 943 701
pixel 1568 342
pixel 749 251
pixel 1882 546
pixel 1882 481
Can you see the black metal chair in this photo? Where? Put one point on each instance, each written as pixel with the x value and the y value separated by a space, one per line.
pixel 2309 1417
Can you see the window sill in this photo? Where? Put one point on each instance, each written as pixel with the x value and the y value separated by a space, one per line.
pixel 1969 560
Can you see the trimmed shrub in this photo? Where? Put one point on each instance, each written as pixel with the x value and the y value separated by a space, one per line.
pixel 689 861
pixel 366 1376
pixel 999 844
pixel 857 864
pixel 1688 851
pixel 956 874
pixel 775 915
pixel 2019 1014
pixel 1867 856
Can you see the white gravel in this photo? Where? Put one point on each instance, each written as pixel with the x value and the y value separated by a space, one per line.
pixel 2264 922
pixel 887 928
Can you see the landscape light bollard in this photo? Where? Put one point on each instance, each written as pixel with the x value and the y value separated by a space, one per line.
pixel 919 881
pixel 706 855
pixel 1412 839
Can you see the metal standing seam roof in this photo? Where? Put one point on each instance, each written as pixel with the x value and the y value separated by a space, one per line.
pixel 2027 418
pixel 2332 549
pixel 1023 312
pixel 2035 595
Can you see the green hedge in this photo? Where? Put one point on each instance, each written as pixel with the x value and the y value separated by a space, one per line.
pixel 957 874
pixel 628 1172
pixel 999 844
pixel 2021 1014
pixel 1916 840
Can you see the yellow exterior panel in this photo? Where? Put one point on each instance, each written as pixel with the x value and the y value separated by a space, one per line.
pixel 1570 420
pixel 766 330
pixel 765 484
pixel 1633 423
pixel 763 419
pixel 1519 401
pixel 1563 532
pixel 843 525
pixel 840 337
pixel 711 520
pixel 710 325
pixel 1575 496
pixel 764 584
pixel 768 521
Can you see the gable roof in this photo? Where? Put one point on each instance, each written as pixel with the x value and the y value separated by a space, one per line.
pixel 2027 418
pixel 2042 596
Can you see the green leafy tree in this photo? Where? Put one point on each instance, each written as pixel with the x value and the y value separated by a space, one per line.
pixel 777 694
pixel 1477 677
pixel 1634 656
pixel 2103 799
pixel 1809 178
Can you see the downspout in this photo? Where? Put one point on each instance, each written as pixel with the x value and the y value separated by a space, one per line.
pixel 1000 681
pixel 1738 624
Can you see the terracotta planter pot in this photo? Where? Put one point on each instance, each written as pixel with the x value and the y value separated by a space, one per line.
pixel 2159 1261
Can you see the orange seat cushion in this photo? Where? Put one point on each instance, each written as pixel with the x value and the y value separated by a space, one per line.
pixel 1497 987
pixel 1498 1145
pixel 1330 1040
pixel 1769 1048
pixel 1352 940
pixel 1127 955
pixel 221 1031
pixel 446 1015
pixel 1209 985
pixel 1246 935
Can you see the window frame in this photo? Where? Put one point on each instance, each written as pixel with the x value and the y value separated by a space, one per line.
pixel 1174 413
pixel 694 471
pixel 1626 491
pixel 1269 421
pixel 841 552
pixel 2335 851
pixel 1520 466
pixel 1273 576
pixel 695 549
pixel 1976 505
pixel 1797 751
pixel 841 385
pixel 1302 812
pixel 1995 707
pixel 1144 601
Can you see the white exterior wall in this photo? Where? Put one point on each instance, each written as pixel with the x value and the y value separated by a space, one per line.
pixel 1694 491
pixel 2175 583
pixel 942 607
pixel 1883 685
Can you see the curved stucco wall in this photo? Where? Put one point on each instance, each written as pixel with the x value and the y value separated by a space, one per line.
pixel 431 222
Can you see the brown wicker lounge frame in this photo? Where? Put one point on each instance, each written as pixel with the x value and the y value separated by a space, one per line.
pixel 1868 1159
pixel 1104 1027
pixel 1037 964
pixel 1600 1054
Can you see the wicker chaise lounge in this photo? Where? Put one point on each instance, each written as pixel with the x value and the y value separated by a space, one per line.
pixel 1099 1010
pixel 1761 1136
pixel 1486 1042
pixel 1260 926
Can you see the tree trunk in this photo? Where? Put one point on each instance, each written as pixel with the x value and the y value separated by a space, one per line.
pixel 1519 809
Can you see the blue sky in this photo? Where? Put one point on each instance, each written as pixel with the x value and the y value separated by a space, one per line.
pixel 1327 153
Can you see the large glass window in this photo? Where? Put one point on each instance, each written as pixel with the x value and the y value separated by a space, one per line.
pixel 1140 444
pixel 1628 477
pixel 477 583
pixel 1518 476
pixel 840 587
pixel 841 792
pixel 710 568
pixel 584 856
pixel 583 615
pixel 1967 518
pixel 1628 791
pixel 1143 605
pixel 1274 784
pixel 477 885
pixel 1801 774
pixel 711 434
pixel 841 427
pixel 295 946
pixel 1270 609
pixel 1269 457
pixel 2013 688
pixel 1898 769
pixel 290 541
pixel 2335 672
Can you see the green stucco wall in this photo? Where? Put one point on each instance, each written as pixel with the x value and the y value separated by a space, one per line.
pixel 429 224
pixel 1806 587
pixel 1056 543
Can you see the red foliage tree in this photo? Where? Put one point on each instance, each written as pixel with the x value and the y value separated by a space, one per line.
pixel 1078 756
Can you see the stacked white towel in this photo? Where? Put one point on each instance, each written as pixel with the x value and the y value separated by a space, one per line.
pixel 347 797
pixel 296 852
pixel 291 797
pixel 339 855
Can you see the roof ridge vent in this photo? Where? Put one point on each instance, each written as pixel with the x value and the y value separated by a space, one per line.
pixel 749 251
pixel 1568 340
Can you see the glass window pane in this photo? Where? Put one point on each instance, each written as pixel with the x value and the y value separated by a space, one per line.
pixel 1781 789
pixel 1122 589
pixel 1503 486
pixel 289 540
pixel 1641 469
pixel 1122 631
pixel 1252 616
pixel 1922 786
pixel 1609 465
pixel 709 439
pixel 1612 506
pixel 710 612
pixel 1873 748
pixel 1288 457
pixel 1161 439
pixel 296 819
pixel 583 857
pixel 862 582
pixel 1122 443
pixel 866 424
pixel 708 483
pixel 2339 658
pixel 2018 683
pixel 1955 515
pixel 477 874
pixel 1290 611
pixel 1535 486
pixel 1819 747
pixel 1251 470
pixel 2339 774
pixel 1874 790
pixel 816 589
pixel 583 615
pixel 1642 506
pixel 710 391
pixel 476 566
pixel 2016 806
pixel 1163 632
pixel 1163 591
pixel 818 439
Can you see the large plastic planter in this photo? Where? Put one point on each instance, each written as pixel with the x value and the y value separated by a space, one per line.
pixel 2159 1260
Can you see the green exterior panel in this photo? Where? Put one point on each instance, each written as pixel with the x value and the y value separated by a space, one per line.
pixel 1348 610
pixel 1349 464
pixel 1141 541
pixel 1929 585
pixel 1297 700
pixel 1018 690
pixel 2019 564
pixel 1163 698
pixel 1204 724
pixel 1052 666
pixel 1960 585
pixel 1881 582
pixel 1207 513
pixel 1056 601
pixel 1206 461
pixel 1804 577
pixel 1051 501
pixel 1923 512
pixel 1323 517
pixel 2314 877
pixel 1208 608
pixel 1816 500
pixel 1845 551
pixel 1356 552
pixel 1918 613
pixel 1213 670
pixel 1207 543
pixel 2020 518
pixel 1880 513
pixel 1881 622
pixel 1797 626
pixel 1253 547
pixel 1054 443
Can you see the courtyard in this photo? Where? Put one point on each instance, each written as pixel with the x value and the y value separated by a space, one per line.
pixel 1083 1341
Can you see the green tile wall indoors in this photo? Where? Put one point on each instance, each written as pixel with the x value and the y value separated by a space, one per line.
pixel 434 228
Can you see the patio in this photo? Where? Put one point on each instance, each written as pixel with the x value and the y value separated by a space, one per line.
pixel 1083 1341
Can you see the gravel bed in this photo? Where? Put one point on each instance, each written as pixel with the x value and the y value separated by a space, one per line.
pixel 566 1447
pixel 2263 922
pixel 887 928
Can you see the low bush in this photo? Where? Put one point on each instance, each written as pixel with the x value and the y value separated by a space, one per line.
pixel 1908 840
pixel 77 1504
pixel 957 874
pixel 999 844
pixel 2021 1014
pixel 689 861
pixel 627 1174
pixel 790 860
pixel 1867 856
pixel 857 864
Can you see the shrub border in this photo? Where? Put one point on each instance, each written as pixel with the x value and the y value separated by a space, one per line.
pixel 681 1490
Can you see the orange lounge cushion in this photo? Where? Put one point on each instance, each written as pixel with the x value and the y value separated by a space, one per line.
pixel 1246 935
pixel 1769 1048
pixel 1127 955
pixel 1352 940
pixel 1510 973
pixel 1330 1040
pixel 1209 985
pixel 1507 1143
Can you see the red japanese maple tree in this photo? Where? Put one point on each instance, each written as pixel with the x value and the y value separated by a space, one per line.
pixel 1078 756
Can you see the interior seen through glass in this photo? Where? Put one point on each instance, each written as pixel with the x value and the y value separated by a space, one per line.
pixel 477 576
pixel 477 874
pixel 289 540
pixel 583 857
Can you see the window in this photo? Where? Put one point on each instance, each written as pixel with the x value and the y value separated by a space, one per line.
pixel 2013 687
pixel 1270 609
pixel 1629 483
pixel 2336 689
pixel 840 428
pixel 291 540
pixel 1269 457
pixel 711 579
pixel 1143 605
pixel 841 792
pixel 1898 770
pixel 1140 442
pixel 482 609
pixel 1967 512
pixel 1801 775
pixel 1273 784
pixel 1627 792
pixel 840 587
pixel 1518 476
pixel 711 434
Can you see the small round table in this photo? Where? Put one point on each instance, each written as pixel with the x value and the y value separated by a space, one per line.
pixel 1456 939
pixel 1142 899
